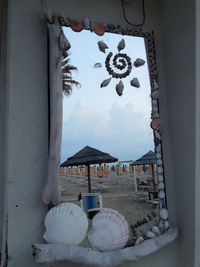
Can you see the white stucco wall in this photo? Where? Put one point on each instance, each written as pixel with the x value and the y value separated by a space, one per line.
pixel 27 127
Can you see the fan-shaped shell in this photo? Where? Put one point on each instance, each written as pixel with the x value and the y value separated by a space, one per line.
pixel 99 28
pixel 66 223
pixel 76 25
pixel 109 230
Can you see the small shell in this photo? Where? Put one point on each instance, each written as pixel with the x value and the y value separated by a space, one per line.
pixel 161 186
pixel 159 162
pixel 156 124
pixel 150 234
pixel 121 45
pixel 76 25
pixel 158 155
pixel 158 149
pixel 102 46
pixel 97 65
pixel 120 88
pixel 157 134
pixel 159 170
pixel 156 230
pixel 86 22
pixel 146 219
pixel 135 82
pixel 164 214
pixel 155 85
pixel 139 240
pixel 139 62
pixel 66 223
pixel 105 82
pixel 154 102
pixel 161 227
pixel 99 28
pixel 155 94
pixel 161 194
pixel 155 115
pixel 64 43
pixel 166 225
pixel 154 108
pixel 160 178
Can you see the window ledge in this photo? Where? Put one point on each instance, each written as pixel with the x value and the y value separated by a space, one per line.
pixel 44 253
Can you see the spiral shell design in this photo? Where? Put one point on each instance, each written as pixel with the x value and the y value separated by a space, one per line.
pixel 121 62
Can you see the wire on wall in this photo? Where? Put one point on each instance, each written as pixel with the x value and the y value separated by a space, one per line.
pixel 128 21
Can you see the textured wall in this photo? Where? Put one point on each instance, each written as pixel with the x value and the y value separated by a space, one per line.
pixel 27 118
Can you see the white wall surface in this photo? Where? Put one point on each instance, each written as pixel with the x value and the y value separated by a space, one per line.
pixel 27 118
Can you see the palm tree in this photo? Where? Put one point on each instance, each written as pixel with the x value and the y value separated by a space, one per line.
pixel 67 79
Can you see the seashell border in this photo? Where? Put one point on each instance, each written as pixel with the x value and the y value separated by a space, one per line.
pixel 161 230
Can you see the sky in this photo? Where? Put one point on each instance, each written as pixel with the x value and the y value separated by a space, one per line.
pixel 98 117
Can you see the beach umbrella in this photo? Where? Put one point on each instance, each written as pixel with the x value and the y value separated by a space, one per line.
pixel 147 159
pixel 87 156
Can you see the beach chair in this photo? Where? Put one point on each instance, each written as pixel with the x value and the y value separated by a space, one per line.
pixel 91 203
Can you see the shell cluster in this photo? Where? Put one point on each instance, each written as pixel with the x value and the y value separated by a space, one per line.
pixel 109 231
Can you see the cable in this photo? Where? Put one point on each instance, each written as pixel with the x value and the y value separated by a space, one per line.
pixel 143 11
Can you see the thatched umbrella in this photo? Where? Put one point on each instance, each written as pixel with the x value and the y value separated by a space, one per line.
pixel 147 159
pixel 86 156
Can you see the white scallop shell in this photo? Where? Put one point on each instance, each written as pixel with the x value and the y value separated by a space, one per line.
pixel 161 186
pixel 164 214
pixel 160 178
pixel 159 170
pixel 161 195
pixel 67 224
pixel 109 231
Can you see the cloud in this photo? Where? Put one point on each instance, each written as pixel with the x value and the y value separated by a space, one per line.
pixel 123 132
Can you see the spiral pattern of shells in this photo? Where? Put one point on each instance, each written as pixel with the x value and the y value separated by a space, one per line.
pixel 121 62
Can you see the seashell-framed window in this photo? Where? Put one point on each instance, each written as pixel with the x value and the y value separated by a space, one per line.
pixel 150 232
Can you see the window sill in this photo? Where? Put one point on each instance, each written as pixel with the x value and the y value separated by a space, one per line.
pixel 44 253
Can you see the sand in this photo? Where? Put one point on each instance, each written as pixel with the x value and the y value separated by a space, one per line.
pixel 118 192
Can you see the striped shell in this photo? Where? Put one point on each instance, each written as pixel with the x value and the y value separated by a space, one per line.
pixel 109 231
pixel 66 224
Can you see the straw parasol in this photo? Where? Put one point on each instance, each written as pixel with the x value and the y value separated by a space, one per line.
pixel 86 156
pixel 147 159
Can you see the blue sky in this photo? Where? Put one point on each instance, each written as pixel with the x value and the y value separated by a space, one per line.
pixel 98 117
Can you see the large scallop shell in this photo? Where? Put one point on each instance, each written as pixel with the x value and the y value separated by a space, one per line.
pixel 109 231
pixel 67 224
